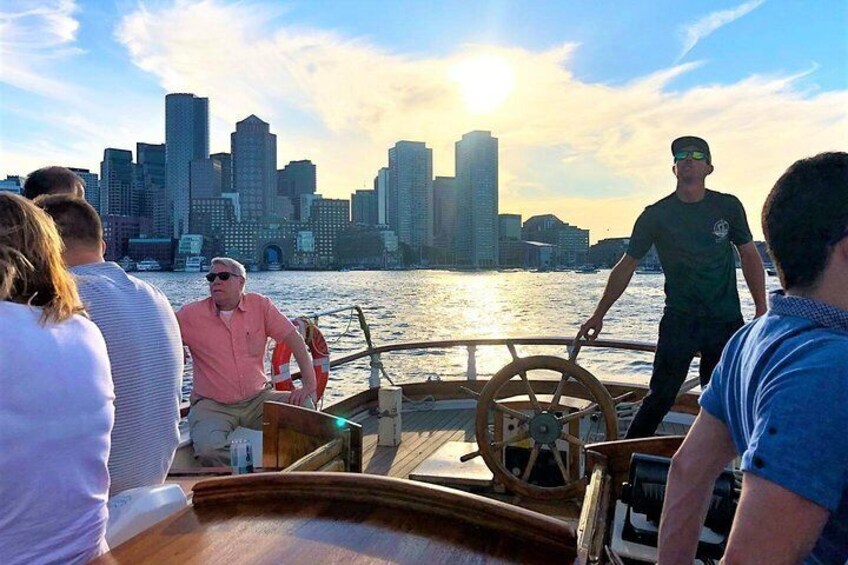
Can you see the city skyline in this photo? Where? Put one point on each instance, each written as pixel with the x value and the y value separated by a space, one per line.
pixel 583 101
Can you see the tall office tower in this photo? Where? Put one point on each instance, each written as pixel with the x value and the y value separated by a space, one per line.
pixel 477 190
pixel 509 227
pixel 150 183
pixel 363 205
pixel 92 186
pixel 186 138
pixel 410 202
pixel 254 150
pixel 444 213
pixel 329 217
pixel 205 178
pixel 118 196
pixel 381 185
pixel 226 161
pixel 295 180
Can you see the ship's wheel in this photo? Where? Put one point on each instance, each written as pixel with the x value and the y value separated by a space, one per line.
pixel 521 433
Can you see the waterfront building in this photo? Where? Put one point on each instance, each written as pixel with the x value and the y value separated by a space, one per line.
pixel 410 194
pixel 305 241
pixel 205 178
pixel 160 249
pixel 304 206
pixel 226 162
pixel 209 217
pixel 329 217
pixel 117 190
pixel 364 207
pixel 445 205
pixel 186 139
pixel 509 227
pixel 92 186
pixel 254 150
pixel 12 183
pixel 119 229
pixel 367 247
pixel 296 179
pixel 606 252
pixel 240 241
pixel 477 197
pixel 154 201
pixel 571 243
pixel 525 254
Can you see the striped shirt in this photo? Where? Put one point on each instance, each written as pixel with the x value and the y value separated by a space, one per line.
pixel 145 350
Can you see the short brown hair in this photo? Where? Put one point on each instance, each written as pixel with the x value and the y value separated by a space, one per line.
pixel 31 269
pixel 53 180
pixel 805 214
pixel 76 219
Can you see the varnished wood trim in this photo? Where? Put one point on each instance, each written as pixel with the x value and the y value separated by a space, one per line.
pixel 406 496
pixel 318 458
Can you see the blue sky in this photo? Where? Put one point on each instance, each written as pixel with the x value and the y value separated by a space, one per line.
pixel 584 96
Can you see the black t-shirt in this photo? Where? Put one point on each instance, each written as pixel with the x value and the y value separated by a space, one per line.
pixel 694 242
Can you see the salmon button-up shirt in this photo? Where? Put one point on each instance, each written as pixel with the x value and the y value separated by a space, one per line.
pixel 229 360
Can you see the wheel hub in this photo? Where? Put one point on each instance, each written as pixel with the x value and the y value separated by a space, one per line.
pixel 544 428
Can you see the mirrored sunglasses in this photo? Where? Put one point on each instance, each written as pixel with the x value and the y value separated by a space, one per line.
pixel 223 276
pixel 697 155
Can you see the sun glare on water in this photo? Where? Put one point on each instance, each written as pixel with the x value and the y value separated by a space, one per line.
pixel 485 82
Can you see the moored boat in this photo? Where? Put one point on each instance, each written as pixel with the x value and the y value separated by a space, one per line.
pixel 148 265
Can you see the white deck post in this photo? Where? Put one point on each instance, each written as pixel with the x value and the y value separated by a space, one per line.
pixel 471 372
pixel 376 366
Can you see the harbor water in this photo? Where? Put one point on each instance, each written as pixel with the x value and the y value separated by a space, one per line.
pixel 403 306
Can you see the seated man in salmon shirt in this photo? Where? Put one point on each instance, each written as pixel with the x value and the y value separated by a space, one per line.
pixel 227 336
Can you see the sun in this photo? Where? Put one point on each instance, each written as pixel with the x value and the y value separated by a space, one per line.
pixel 485 82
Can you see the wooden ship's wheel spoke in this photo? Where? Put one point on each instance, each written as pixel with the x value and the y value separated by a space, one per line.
pixel 514 413
pixel 534 454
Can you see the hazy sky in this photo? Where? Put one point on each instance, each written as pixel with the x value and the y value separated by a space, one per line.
pixel 585 96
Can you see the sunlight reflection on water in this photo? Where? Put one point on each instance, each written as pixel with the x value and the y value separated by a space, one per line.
pixel 404 306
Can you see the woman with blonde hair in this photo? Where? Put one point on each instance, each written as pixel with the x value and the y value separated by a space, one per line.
pixel 56 405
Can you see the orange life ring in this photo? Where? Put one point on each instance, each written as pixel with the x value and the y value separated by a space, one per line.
pixel 317 346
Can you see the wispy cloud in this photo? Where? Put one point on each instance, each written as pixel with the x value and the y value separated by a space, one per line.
pixel 595 154
pixel 31 38
pixel 697 31
pixel 591 152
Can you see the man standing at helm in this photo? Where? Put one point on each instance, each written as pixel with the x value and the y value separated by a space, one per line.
pixel 227 335
pixel 694 230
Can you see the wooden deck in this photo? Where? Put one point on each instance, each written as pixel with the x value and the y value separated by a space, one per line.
pixel 423 433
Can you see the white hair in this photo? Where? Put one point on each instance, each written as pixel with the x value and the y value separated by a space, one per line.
pixel 235 267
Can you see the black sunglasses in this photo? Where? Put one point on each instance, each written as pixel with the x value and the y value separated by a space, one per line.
pixel 225 276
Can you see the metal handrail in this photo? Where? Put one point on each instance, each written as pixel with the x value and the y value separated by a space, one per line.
pixel 470 343
pixel 476 342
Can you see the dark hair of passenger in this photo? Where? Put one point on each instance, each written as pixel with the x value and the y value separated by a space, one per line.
pixel 52 180
pixel 805 215
pixel 77 220
pixel 31 268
